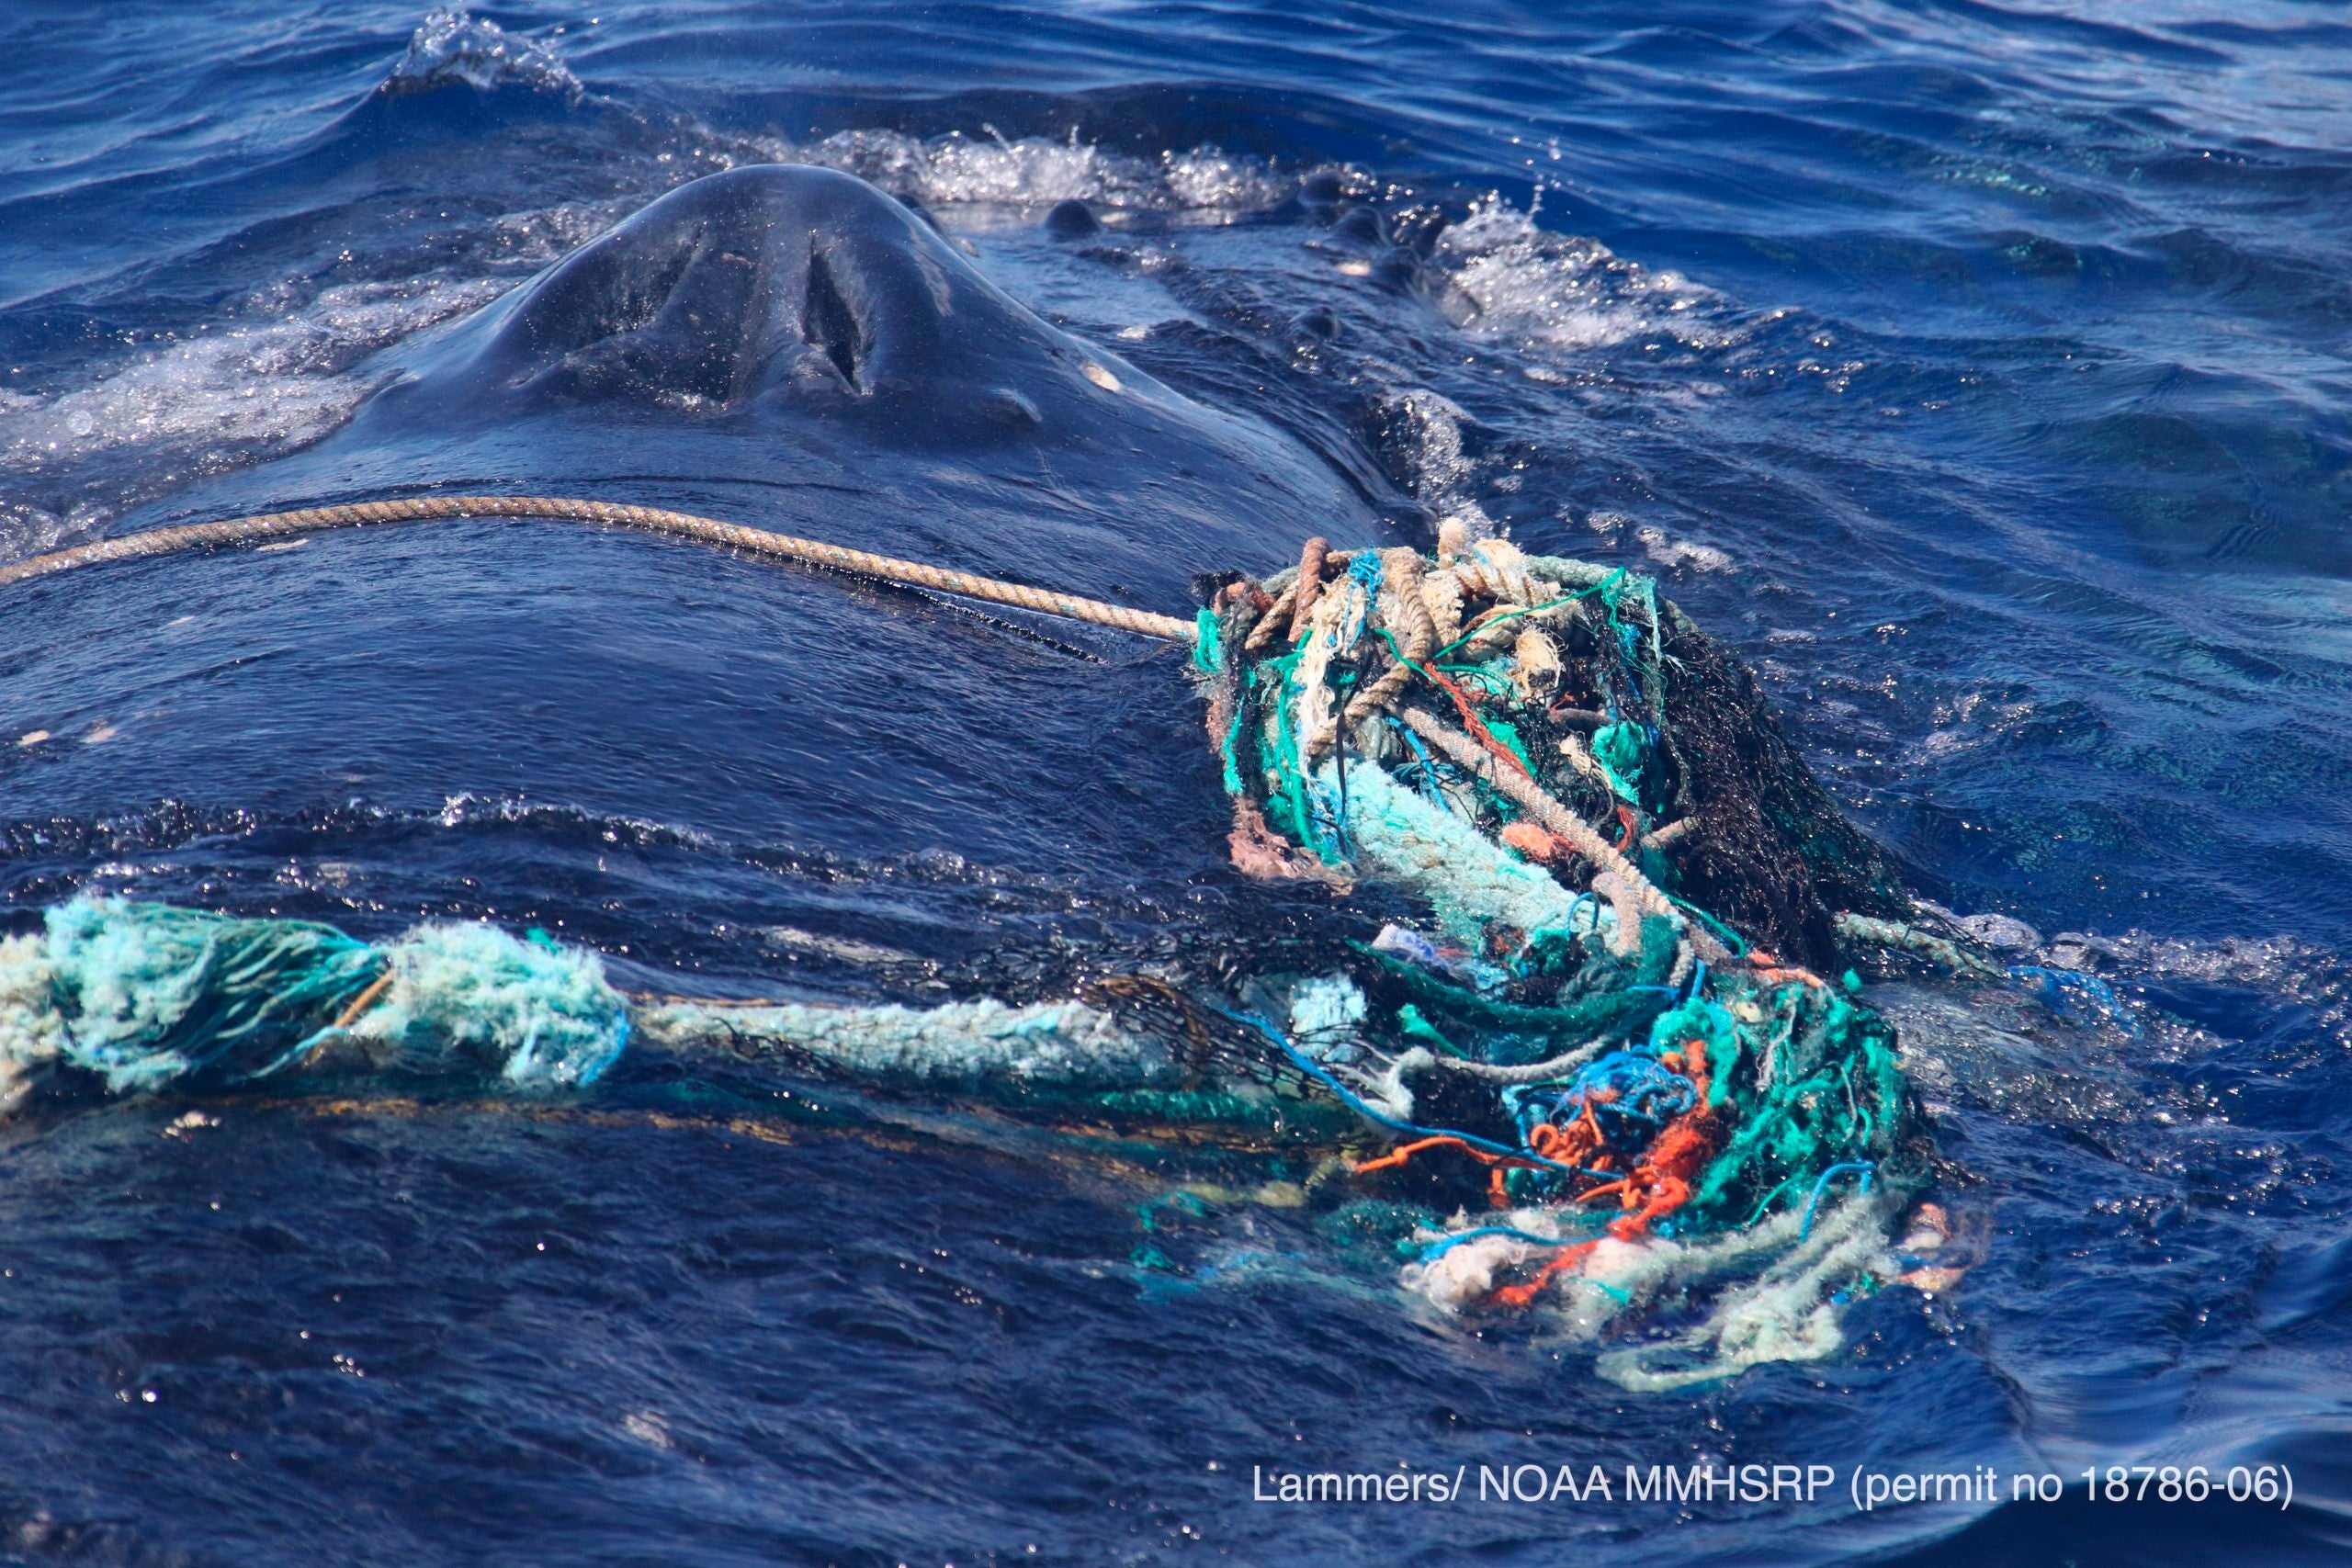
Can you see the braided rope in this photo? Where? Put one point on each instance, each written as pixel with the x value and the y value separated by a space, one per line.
pixel 1911 938
pixel 640 519
pixel 1561 823
pixel 1403 587
pixel 1311 557
pixel 1526 1072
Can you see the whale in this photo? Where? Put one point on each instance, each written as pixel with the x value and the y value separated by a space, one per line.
pixel 780 345
pixel 790 326
pixel 791 347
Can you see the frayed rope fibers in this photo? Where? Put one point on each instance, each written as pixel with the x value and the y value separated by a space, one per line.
pixel 141 995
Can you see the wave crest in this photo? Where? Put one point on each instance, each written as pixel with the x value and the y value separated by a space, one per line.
pixel 1556 290
pixel 991 170
pixel 453 46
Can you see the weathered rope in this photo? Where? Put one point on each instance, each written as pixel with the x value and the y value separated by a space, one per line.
pixel 1531 798
pixel 363 1001
pixel 641 519
pixel 1911 938
pixel 352 1014
pixel 1562 824
pixel 1558 1066
pixel 1402 571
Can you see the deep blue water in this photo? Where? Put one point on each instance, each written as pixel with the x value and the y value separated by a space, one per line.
pixel 1979 372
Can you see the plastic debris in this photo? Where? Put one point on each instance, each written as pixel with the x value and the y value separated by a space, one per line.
pixel 1646 1098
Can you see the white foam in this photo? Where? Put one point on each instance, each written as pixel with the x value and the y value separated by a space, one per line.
pixel 1561 291
pixel 1671 552
pixel 453 46
pixel 991 170
pixel 26 529
pixel 1465 1273
pixel 280 375
pixel 1426 443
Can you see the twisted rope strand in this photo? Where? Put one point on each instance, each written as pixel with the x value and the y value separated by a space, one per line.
pixel 1561 823
pixel 640 519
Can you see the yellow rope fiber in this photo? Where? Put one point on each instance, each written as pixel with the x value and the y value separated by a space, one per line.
pixel 643 519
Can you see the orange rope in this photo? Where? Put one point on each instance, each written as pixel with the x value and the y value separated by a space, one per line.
pixel 1772 972
pixel 1664 1175
pixel 1472 722
pixel 1696 1068
pixel 1397 1158
pixel 1567 1144
pixel 1524 1294
pixel 1667 1171
pixel 1534 843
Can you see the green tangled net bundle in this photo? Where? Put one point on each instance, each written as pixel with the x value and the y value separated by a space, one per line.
pixel 1607 1025
pixel 1550 758
pixel 138 996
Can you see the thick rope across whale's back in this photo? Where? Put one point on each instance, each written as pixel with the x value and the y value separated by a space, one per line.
pixel 274 526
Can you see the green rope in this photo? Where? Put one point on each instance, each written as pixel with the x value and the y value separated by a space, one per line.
pixel 1732 939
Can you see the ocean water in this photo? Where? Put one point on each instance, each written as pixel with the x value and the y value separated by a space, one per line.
pixel 1978 372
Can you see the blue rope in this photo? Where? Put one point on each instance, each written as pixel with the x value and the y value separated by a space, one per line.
pixel 2056 982
pixel 1868 1169
pixel 1428 777
pixel 1367 568
pixel 1355 1102
pixel 1641 1084
pixel 1437 1249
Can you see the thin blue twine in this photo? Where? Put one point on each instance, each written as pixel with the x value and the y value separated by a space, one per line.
pixel 1868 1169
pixel 1354 1102
pixel 1367 568
pixel 1428 779
pixel 1437 1249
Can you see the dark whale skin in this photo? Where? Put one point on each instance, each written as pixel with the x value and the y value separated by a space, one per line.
pixel 781 288
pixel 781 347
pixel 795 329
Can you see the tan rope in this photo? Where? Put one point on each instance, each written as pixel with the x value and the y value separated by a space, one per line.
pixel 351 1015
pixel 1558 1066
pixel 1673 833
pixel 364 1000
pixel 1561 823
pixel 641 519
pixel 1402 567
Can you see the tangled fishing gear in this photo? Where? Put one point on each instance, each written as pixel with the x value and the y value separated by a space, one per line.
pixel 1608 1025
pixel 1560 767
pixel 126 997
